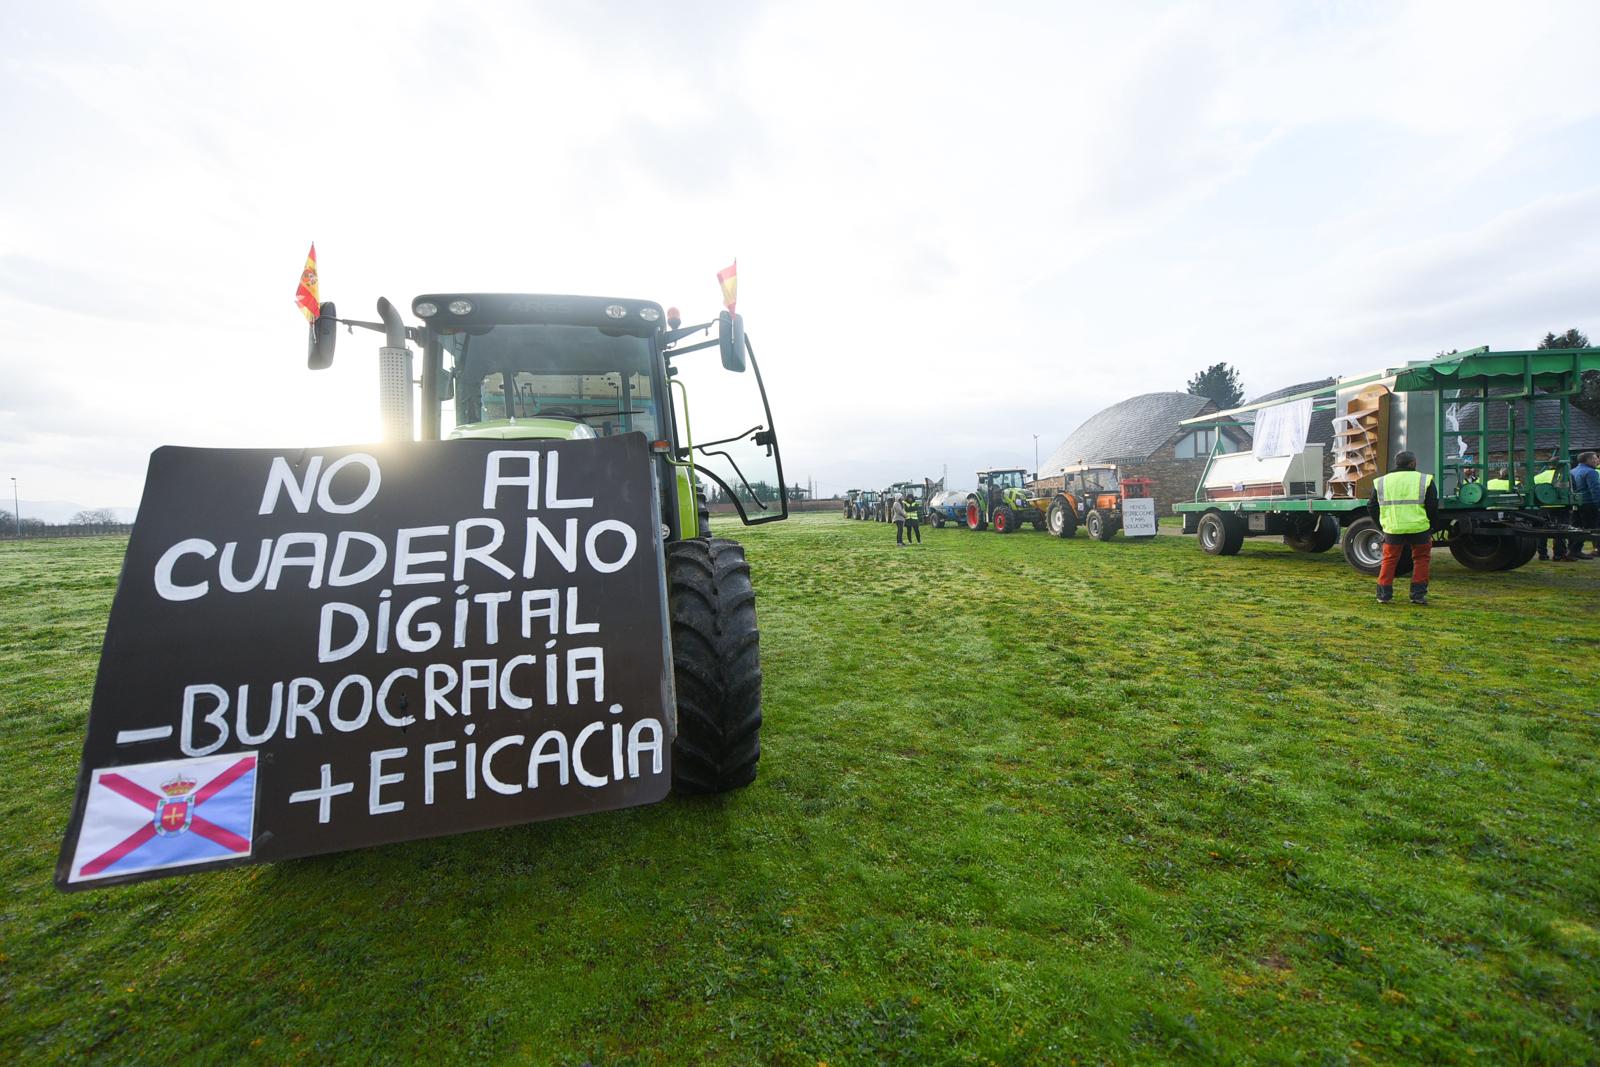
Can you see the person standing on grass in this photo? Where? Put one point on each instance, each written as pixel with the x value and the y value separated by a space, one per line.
pixel 897 512
pixel 1586 487
pixel 913 519
pixel 1405 505
pixel 1563 551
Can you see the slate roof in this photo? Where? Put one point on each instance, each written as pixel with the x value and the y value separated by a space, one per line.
pixel 1583 429
pixel 1129 431
pixel 1321 430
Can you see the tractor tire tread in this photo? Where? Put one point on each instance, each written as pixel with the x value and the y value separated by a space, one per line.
pixel 716 664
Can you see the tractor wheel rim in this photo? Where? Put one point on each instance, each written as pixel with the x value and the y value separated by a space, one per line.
pixel 972 514
pixel 1055 521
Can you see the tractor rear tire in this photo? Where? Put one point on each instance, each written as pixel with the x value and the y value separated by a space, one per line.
pixel 1061 520
pixel 1098 525
pixel 716 666
pixel 702 510
pixel 975 516
pixel 1005 520
pixel 1219 534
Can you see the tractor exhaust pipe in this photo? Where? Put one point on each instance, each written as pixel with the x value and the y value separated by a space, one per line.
pixel 394 375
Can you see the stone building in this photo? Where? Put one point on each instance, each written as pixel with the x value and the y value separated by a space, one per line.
pixel 1142 437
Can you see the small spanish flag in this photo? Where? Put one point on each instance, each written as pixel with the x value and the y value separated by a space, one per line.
pixel 305 297
pixel 728 278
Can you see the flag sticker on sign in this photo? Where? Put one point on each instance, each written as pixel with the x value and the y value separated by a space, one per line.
pixel 169 814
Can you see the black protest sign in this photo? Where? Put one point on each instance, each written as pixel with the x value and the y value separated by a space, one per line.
pixel 324 649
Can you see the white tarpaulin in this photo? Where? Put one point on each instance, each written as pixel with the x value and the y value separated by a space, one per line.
pixel 1281 429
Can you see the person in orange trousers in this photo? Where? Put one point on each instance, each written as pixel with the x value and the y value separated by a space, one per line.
pixel 1405 504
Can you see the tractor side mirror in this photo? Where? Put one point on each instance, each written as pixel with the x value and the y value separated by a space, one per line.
pixel 447 385
pixel 731 334
pixel 324 332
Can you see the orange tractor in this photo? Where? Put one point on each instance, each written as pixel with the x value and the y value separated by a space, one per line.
pixel 1095 497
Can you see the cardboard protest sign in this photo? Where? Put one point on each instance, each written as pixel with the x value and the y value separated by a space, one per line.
pixel 324 649
pixel 1139 516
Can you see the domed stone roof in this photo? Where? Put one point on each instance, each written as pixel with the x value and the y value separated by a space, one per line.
pixel 1128 431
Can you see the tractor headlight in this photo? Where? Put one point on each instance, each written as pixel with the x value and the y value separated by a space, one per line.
pixel 616 311
pixel 649 314
pixel 460 307
pixel 425 309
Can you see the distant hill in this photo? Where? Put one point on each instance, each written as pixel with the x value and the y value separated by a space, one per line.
pixel 57 512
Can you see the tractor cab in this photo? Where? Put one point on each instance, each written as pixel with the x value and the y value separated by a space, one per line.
pixel 909 491
pixel 1003 478
pixel 1086 482
pixel 523 367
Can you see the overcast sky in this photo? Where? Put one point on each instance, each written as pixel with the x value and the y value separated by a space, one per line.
pixel 955 228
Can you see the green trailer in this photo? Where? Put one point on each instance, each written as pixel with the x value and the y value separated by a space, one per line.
pixel 1487 523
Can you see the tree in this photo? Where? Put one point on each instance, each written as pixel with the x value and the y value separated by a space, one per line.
pixel 1570 339
pixel 1588 398
pixel 1220 384
pixel 29 526
pixel 96 517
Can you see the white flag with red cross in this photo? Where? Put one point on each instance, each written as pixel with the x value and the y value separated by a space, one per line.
pixel 168 814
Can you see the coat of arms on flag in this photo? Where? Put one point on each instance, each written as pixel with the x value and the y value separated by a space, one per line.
pixel 169 814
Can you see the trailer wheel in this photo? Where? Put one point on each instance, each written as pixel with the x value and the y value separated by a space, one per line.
pixel 1363 549
pixel 1478 552
pixel 1527 548
pixel 975 519
pixel 937 518
pixel 716 666
pixel 1061 521
pixel 1219 534
pixel 1321 537
pixel 1005 520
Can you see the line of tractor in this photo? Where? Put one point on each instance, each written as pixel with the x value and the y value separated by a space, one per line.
pixel 1492 430
pixel 1096 498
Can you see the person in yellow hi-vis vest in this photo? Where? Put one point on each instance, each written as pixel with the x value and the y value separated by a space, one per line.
pixel 1564 550
pixel 1405 504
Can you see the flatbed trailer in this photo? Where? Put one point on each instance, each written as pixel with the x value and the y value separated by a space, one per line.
pixel 1484 529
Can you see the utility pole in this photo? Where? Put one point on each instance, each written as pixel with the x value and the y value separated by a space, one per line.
pixel 1035 457
pixel 16 512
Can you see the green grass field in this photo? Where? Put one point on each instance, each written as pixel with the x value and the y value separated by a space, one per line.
pixel 1021 801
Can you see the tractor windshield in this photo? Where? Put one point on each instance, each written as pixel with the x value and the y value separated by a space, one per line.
pixel 576 374
pixel 1005 479
pixel 1094 480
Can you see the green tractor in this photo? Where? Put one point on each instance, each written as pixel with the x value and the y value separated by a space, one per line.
pixel 1003 501
pixel 572 368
